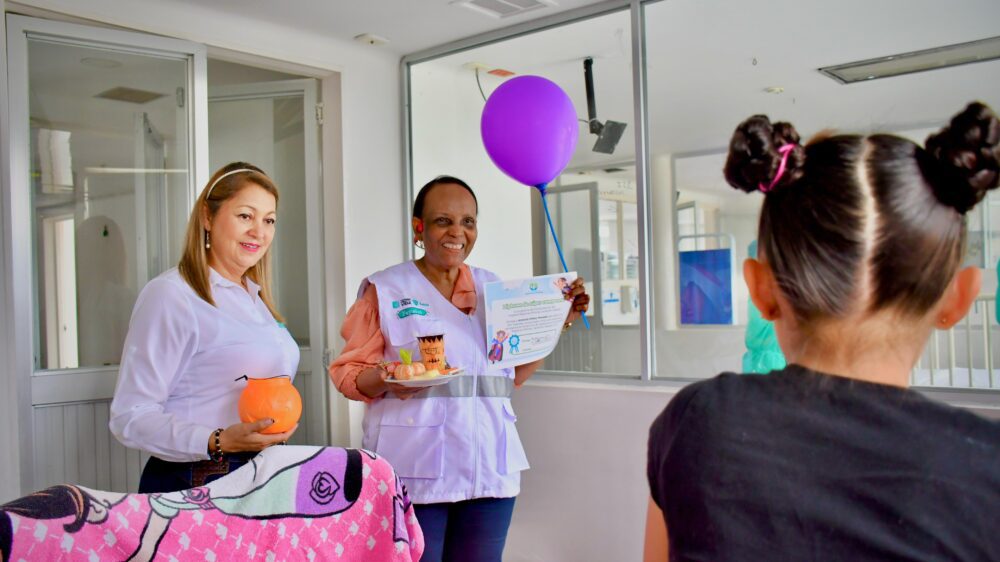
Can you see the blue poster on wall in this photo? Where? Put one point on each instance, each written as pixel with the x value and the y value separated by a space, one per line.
pixel 706 287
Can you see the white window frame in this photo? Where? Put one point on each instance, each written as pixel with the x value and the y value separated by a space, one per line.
pixel 62 385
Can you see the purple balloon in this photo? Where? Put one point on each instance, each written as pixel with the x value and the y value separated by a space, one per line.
pixel 529 129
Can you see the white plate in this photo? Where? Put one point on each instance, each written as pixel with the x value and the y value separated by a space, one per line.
pixel 419 383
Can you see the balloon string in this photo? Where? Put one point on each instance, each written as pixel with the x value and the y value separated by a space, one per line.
pixel 552 229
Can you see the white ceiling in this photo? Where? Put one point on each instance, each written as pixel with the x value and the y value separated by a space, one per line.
pixel 409 25
pixel 710 60
pixel 63 90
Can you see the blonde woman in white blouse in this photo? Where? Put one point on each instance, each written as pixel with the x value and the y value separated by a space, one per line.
pixel 195 331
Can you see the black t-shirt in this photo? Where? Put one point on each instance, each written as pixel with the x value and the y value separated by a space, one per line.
pixel 798 465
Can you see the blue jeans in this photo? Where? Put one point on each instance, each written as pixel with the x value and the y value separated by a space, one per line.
pixel 465 531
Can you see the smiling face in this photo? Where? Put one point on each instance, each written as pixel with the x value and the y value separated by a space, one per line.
pixel 241 231
pixel 449 225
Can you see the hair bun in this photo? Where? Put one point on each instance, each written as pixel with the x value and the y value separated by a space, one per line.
pixel 967 157
pixel 754 158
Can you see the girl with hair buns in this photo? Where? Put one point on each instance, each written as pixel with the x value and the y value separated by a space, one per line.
pixel 834 458
pixel 195 330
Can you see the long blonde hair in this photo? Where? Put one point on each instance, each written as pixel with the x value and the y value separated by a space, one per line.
pixel 193 266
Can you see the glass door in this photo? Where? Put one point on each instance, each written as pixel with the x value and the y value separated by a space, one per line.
pixel 574 210
pixel 275 126
pixel 106 128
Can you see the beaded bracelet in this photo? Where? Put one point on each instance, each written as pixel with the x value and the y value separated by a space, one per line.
pixel 216 455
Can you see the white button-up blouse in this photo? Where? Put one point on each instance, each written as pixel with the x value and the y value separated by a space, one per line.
pixel 183 363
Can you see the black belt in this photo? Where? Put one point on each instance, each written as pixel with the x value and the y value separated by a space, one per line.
pixel 160 476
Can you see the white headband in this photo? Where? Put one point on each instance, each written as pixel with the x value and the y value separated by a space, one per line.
pixel 211 187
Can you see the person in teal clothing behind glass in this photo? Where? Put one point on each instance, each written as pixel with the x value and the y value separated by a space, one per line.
pixel 763 354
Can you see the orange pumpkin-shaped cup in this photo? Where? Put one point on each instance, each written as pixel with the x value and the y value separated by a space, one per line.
pixel 432 351
pixel 274 398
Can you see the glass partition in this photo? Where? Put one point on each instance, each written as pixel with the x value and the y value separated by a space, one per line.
pixel 592 205
pixel 710 65
pixel 109 173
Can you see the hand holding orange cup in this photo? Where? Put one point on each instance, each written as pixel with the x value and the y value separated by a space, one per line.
pixel 273 398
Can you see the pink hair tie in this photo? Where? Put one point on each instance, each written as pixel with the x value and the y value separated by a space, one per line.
pixel 785 150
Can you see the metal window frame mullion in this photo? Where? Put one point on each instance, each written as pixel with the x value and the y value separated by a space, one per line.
pixel 647 342
pixel 407 148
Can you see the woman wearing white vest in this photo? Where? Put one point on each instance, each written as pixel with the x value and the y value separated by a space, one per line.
pixel 454 445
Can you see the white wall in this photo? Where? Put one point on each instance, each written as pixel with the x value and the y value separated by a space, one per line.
pixel 584 497
pixel 446 108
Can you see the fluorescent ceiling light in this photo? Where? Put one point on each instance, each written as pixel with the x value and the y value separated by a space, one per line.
pixel 916 61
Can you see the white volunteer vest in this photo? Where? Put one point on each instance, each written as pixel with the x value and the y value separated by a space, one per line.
pixel 450 442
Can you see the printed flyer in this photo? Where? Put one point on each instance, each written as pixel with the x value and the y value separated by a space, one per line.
pixel 525 317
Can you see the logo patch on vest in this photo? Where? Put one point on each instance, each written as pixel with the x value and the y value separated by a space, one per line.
pixel 409 307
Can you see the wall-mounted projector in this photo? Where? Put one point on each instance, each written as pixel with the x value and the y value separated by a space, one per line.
pixel 609 132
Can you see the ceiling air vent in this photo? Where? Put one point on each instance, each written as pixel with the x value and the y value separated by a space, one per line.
pixel 504 8
pixel 130 95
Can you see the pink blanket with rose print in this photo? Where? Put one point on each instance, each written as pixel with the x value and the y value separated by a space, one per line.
pixel 288 503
